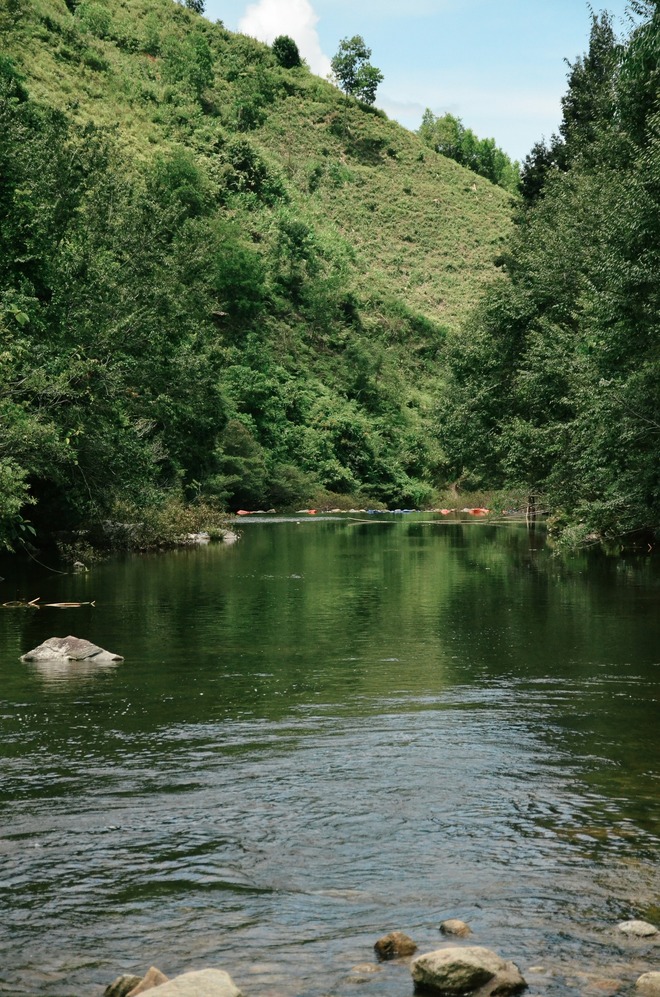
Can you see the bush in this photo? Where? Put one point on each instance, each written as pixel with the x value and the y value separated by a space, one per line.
pixel 286 52
pixel 94 18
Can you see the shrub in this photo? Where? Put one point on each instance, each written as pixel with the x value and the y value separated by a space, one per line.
pixel 286 52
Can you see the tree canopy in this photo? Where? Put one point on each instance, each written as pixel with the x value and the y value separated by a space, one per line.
pixel 286 52
pixel 354 73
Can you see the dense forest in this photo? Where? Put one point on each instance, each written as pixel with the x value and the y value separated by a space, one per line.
pixel 224 283
pixel 554 381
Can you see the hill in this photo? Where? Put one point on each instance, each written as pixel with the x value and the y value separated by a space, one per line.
pixel 221 279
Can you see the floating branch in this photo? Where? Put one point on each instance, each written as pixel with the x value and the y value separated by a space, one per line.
pixel 35 604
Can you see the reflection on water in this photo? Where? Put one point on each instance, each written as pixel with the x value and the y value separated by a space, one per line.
pixel 325 732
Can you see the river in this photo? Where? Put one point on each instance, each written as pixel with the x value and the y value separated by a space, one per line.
pixel 327 731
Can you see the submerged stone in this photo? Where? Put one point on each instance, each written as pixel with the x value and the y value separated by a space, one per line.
pixel 455 927
pixel 203 983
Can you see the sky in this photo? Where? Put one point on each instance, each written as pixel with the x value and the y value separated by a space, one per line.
pixel 499 65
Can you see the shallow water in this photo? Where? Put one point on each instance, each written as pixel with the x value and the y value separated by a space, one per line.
pixel 327 731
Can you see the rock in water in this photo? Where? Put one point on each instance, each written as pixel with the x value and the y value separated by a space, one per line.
pixel 649 984
pixel 455 927
pixel 393 945
pixel 153 978
pixel 640 929
pixel 203 983
pixel 70 649
pixel 454 971
pixel 122 985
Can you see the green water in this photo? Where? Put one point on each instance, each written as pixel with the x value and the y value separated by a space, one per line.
pixel 328 731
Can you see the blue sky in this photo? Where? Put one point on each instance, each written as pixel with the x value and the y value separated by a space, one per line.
pixel 496 64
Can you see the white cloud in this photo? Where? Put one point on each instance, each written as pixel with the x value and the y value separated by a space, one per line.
pixel 267 19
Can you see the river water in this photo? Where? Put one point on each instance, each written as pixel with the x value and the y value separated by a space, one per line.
pixel 327 731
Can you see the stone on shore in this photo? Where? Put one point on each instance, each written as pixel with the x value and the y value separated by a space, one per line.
pixel 462 970
pixel 648 984
pixel 198 538
pixel 70 649
pixel 153 978
pixel 202 983
pixel 455 927
pixel 393 945
pixel 122 985
pixel 639 929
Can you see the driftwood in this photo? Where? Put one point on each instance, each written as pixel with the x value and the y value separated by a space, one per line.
pixel 35 604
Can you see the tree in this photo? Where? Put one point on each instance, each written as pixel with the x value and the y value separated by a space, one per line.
pixel 588 106
pixel 449 136
pixel 286 52
pixel 197 6
pixel 353 72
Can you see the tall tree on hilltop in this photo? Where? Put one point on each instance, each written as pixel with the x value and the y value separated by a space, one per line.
pixel 354 73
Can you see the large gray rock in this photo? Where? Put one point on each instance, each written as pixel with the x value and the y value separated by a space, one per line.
pixel 70 649
pixel 203 983
pixel 462 970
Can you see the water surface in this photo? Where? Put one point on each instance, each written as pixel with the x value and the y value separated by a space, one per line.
pixel 325 732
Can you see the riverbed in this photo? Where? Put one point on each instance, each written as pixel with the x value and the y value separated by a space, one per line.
pixel 324 732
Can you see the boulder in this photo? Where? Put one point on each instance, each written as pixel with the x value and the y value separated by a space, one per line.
pixel 459 970
pixel 393 945
pixel 455 927
pixel 639 929
pixel 229 537
pixel 203 983
pixel 70 649
pixel 122 985
pixel 153 978
pixel 648 984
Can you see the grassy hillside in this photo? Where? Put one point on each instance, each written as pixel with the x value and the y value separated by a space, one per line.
pixel 334 254
pixel 424 229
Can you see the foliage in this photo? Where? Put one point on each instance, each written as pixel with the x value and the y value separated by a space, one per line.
pixel 181 322
pixel 554 382
pixel 449 136
pixel 354 73
pixel 189 62
pixel 286 52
